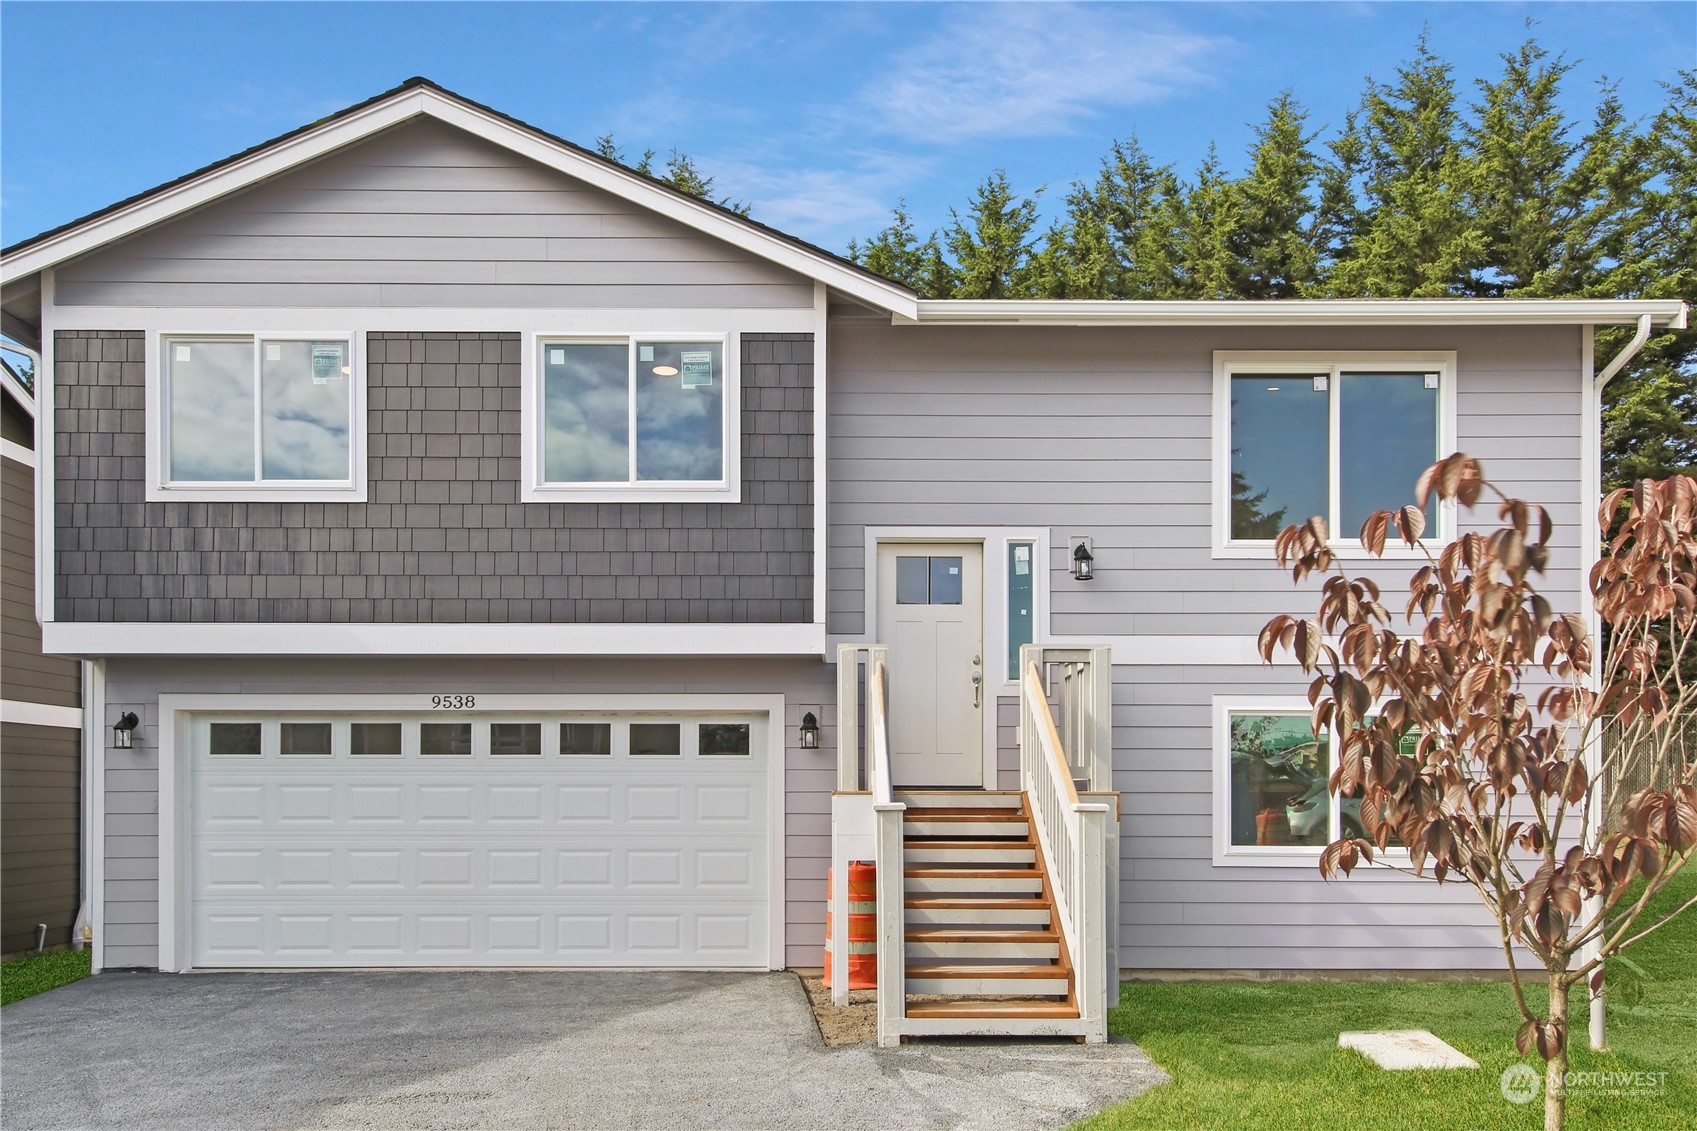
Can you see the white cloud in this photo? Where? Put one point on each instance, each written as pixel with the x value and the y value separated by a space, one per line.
pixel 1022 70
pixel 826 206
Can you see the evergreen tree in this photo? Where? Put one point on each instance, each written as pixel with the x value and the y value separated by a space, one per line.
pixel 680 172
pixel 896 252
pixel 991 247
pixel 1274 245
pixel 1212 215
pixel 1417 238
pixel 1141 204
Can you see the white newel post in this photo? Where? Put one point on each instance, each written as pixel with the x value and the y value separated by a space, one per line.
pixel 1091 892
pixel 848 718
pixel 1102 719
pixel 892 923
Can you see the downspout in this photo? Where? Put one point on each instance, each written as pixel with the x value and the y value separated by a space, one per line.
pixel 1594 493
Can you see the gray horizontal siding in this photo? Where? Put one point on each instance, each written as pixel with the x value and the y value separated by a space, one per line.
pixel 40 834
pixel 426 215
pixel 132 776
pixel 1106 433
pixel 443 537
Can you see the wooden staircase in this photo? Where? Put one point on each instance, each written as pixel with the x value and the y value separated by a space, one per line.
pixel 984 953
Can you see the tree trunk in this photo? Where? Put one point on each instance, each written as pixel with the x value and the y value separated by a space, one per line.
pixel 1555 1071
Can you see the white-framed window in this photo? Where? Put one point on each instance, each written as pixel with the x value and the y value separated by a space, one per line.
pixel 271 416
pixel 631 417
pixel 1298 434
pixel 1272 804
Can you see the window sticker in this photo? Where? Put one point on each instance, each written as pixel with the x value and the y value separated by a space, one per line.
pixel 328 362
pixel 273 351
pixel 697 368
pixel 645 353
pixel 1022 559
pixel 182 353
pixel 556 356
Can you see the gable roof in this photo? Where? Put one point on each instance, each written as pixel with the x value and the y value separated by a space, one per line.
pixel 420 97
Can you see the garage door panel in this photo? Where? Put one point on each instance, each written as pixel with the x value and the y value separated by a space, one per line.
pixel 605 860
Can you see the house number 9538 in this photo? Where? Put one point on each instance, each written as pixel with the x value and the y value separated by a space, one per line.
pixel 453 702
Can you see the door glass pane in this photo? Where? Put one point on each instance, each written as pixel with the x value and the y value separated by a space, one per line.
pixel 945 581
pixel 210 386
pixel 374 739
pixel 1278 782
pixel 1279 456
pixel 680 411
pixel 723 738
pixel 1021 577
pixel 235 739
pixel 303 389
pixel 515 739
pixel 308 739
pixel 444 738
pixel 586 738
pixel 586 413
pixel 656 738
pixel 1387 436
pixel 913 581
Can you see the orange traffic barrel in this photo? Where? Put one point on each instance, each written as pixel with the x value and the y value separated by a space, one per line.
pixel 862 929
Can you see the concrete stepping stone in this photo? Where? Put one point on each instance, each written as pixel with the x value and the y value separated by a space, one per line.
pixel 1406 1048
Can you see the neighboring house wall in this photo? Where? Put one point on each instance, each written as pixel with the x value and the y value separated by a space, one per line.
pixel 40 766
pixel 1106 434
pixel 132 776
pixel 425 215
pixel 443 537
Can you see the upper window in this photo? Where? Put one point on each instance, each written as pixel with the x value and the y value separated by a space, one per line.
pixel 1335 436
pixel 263 416
pixel 632 418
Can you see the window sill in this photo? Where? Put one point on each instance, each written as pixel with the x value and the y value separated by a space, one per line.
pixel 255 493
pixel 1345 551
pixel 1294 858
pixel 669 493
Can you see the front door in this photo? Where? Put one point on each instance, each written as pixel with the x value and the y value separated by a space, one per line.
pixel 931 614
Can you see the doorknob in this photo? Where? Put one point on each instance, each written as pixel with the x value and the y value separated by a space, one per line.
pixel 977 689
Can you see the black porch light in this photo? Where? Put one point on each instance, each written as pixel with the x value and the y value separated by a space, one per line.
pixel 809 732
pixel 124 730
pixel 1083 563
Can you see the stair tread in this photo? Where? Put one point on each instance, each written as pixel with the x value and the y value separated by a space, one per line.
pixel 952 814
pixel 980 934
pixel 991 1009
pixel 968 872
pixel 986 902
pixel 1020 970
pixel 1001 845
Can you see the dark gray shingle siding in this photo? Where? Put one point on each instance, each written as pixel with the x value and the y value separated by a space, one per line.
pixel 443 537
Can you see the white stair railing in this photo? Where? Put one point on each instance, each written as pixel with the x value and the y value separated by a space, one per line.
pixel 891 873
pixel 1075 834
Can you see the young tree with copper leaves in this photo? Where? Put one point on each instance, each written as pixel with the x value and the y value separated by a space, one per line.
pixel 1507 701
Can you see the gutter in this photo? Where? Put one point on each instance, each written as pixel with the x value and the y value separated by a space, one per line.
pixel 1296 312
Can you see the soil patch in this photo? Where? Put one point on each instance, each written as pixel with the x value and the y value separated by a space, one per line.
pixel 849 1024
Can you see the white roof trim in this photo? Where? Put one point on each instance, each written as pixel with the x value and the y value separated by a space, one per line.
pixel 1669 313
pixel 423 101
pixel 19 393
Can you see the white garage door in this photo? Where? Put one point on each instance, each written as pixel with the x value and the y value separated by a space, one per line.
pixel 496 840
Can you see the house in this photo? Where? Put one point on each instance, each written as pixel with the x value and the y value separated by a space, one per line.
pixel 41 718
pixel 511 561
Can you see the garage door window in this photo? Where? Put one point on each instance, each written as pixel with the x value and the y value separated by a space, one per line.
pixel 445 739
pixel 374 740
pixel 234 740
pixel 509 740
pixel 309 740
pixel 723 738
pixel 656 738
pixel 586 738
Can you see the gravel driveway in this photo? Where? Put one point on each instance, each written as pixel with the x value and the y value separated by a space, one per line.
pixel 511 1049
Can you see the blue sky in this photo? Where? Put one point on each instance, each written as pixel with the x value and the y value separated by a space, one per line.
pixel 819 115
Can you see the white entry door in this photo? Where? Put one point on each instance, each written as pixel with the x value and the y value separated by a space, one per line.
pixel 931 614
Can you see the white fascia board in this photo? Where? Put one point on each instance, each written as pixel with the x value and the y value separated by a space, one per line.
pixel 339 639
pixel 284 156
pixel 1670 313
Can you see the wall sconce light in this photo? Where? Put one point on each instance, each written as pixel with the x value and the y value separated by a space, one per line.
pixel 1083 562
pixel 124 730
pixel 809 731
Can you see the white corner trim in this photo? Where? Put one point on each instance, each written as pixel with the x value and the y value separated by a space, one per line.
pixel 340 639
pixel 176 827
pixel 40 714
pixel 1297 312
pixel 280 157
pixel 13 450
pixel 94 807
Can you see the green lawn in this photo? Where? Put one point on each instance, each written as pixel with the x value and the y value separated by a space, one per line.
pixel 38 973
pixel 1264 1055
